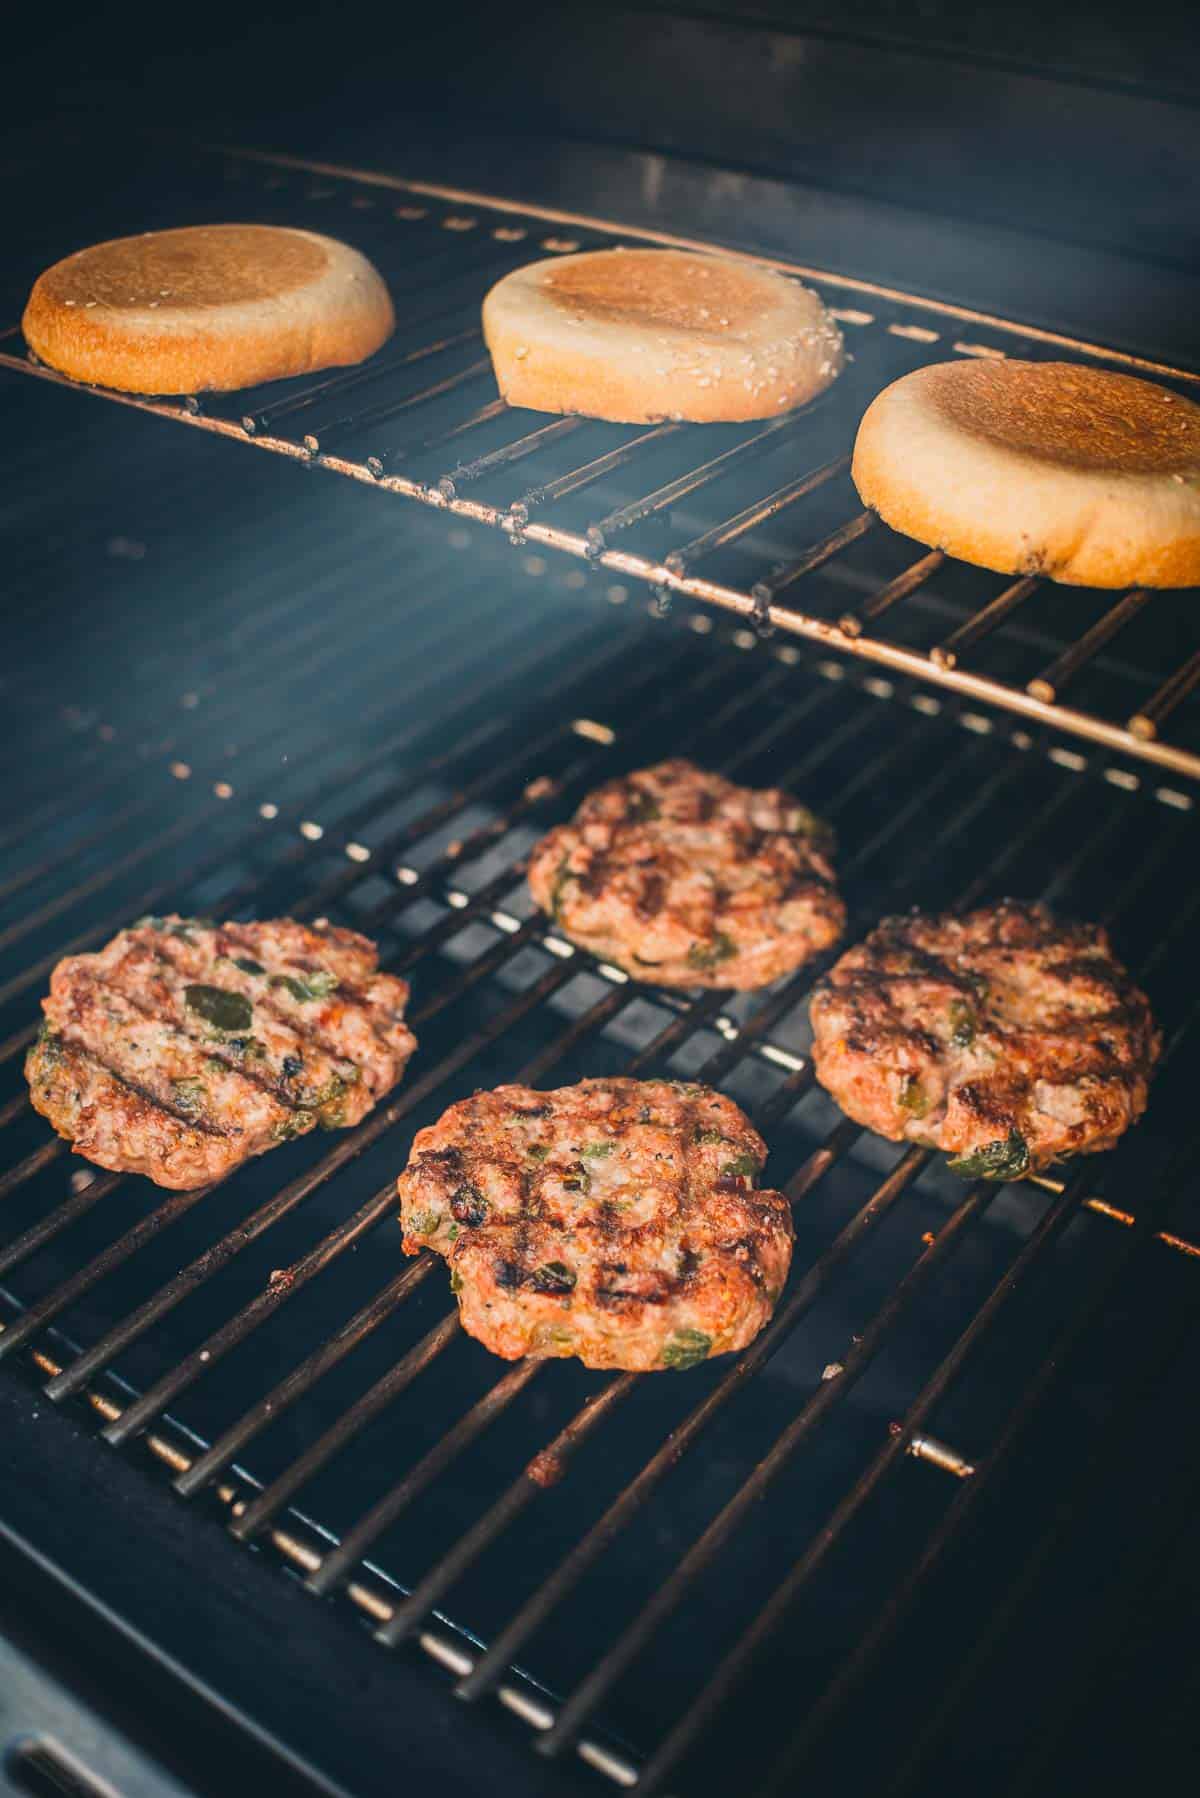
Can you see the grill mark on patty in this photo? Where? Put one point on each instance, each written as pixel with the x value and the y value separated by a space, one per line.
pixel 205 953
pixel 83 1052
pixel 218 1048
pixel 1005 1037
pixel 313 1040
pixel 84 983
pixel 651 899
pixel 348 992
pixel 686 876
pixel 212 1048
pixel 140 1076
pixel 559 1252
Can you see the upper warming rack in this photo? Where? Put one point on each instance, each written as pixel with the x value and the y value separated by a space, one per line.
pixel 761 520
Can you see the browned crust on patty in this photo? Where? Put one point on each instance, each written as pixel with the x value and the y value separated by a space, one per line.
pixel 684 879
pixel 184 1047
pixel 207 307
pixel 615 1220
pixel 1005 1037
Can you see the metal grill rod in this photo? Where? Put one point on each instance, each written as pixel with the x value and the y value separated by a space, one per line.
pixel 446 1450
pixel 757 513
pixel 295 1384
pixel 572 1569
pixel 241 619
pixel 207 1264
pixel 946 654
pixel 1050 682
pixel 47 1228
pixel 463 473
pixel 709 1007
pixel 874 1640
pixel 208 722
pixel 284 1283
pixel 248 1319
pixel 450 1568
pixel 22 1329
pixel 741 455
pixel 137 1416
pixel 267 1505
pixel 578 478
pixel 851 623
pixel 1174 690
pixel 268 417
pixel 323 438
pixel 1066 1345
pixel 377 466
pixel 765 592
pixel 352 681
pixel 250 1519
pixel 199 869
pixel 734 1665
pixel 213 1259
pixel 550 1594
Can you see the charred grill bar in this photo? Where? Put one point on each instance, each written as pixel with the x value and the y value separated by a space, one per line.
pixel 263 1341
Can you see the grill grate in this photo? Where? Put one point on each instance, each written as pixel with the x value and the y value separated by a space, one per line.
pixel 422 421
pixel 263 1342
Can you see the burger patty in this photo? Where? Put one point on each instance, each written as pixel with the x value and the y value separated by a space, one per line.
pixel 684 879
pixel 1005 1037
pixel 616 1220
pixel 185 1047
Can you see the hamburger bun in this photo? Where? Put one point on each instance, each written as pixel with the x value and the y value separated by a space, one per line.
pixel 1046 468
pixel 637 336
pixel 207 307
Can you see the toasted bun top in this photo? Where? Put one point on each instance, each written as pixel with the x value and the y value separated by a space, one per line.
pixel 1066 415
pixel 671 288
pixel 636 335
pixel 207 306
pixel 675 293
pixel 1045 468
pixel 197 266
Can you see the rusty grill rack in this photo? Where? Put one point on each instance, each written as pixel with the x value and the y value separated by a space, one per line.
pixel 714 514
pixel 99 1300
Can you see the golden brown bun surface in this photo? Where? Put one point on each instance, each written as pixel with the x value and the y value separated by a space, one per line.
pixel 207 307
pixel 1051 468
pixel 636 336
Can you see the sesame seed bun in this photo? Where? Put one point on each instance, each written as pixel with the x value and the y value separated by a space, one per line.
pixel 1046 468
pixel 637 336
pixel 207 307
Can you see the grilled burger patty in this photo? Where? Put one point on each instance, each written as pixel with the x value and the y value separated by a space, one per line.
pixel 684 879
pixel 185 1047
pixel 616 1220
pixel 1005 1037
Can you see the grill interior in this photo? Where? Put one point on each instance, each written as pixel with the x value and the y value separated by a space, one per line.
pixel 760 520
pixel 673 1583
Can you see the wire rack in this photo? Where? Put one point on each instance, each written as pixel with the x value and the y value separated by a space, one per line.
pixel 761 521
pixel 541 1533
